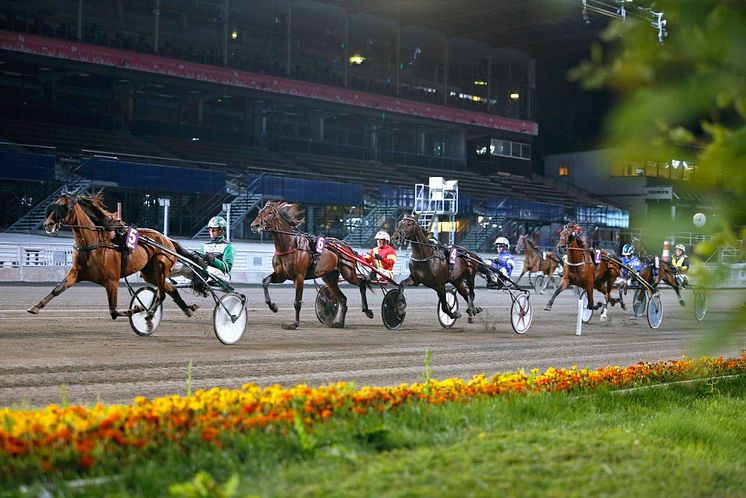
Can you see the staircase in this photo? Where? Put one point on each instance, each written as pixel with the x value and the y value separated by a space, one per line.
pixel 362 234
pixel 481 235
pixel 34 219
pixel 245 202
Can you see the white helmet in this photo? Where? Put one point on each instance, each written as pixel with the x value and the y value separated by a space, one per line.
pixel 383 235
pixel 502 240
pixel 680 246
pixel 217 222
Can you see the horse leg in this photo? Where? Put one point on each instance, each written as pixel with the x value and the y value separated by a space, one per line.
pixel 331 280
pixel 444 305
pixel 70 279
pixel 562 286
pixel 364 298
pixel 298 284
pixel 272 278
pixel 174 293
pixel 463 291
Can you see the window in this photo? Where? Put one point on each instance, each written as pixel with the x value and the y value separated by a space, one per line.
pixel 564 170
pixel 507 148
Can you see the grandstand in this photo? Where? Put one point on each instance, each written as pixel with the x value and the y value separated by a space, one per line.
pixel 259 102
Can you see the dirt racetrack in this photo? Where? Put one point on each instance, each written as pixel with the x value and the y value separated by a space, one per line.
pixel 73 351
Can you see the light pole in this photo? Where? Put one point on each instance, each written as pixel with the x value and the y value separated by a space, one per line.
pixel 227 209
pixel 164 203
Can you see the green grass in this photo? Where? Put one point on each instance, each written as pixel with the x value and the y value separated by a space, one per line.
pixel 682 440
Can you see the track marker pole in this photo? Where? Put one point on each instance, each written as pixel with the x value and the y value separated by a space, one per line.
pixel 579 322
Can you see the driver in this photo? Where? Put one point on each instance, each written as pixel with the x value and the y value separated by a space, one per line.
pixel 218 252
pixel 630 259
pixel 680 264
pixel 504 262
pixel 383 256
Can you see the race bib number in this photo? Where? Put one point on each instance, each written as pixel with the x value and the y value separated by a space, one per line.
pixel 657 262
pixel 133 236
pixel 452 256
pixel 598 256
pixel 320 243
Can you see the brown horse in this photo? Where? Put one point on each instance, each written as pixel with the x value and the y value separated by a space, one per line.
pixel 99 251
pixel 535 261
pixel 664 272
pixel 582 270
pixel 297 259
pixel 429 265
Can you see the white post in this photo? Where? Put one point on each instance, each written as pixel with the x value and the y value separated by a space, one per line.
pixel 227 209
pixel 579 322
pixel 165 203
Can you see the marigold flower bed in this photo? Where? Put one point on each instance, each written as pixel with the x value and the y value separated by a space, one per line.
pixel 76 435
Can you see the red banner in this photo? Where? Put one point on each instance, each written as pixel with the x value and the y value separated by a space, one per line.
pixel 81 52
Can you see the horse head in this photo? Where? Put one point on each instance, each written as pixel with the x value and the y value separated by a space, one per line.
pixel 59 213
pixel 405 230
pixel 277 215
pixel 569 233
pixel 521 244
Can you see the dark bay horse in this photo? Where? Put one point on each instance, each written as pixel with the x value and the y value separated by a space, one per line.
pixel 582 270
pixel 296 258
pixel 429 265
pixel 535 261
pixel 99 250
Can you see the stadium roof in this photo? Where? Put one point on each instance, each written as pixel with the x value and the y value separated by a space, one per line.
pixel 539 27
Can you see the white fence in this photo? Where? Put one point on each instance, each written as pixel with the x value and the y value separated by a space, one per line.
pixel 41 262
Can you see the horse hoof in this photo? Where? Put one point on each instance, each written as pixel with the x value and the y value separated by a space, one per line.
pixel 368 313
pixel 547 308
pixel 682 302
pixel 471 319
pixel 338 325
pixel 290 326
pixel 33 310
pixel 456 314
pixel 273 307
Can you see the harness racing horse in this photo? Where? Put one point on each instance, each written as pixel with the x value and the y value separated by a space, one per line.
pixel 296 259
pixel 582 270
pixel 100 256
pixel 534 261
pixel 430 266
pixel 665 272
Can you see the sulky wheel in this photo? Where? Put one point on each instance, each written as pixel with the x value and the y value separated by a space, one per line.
pixel 452 303
pixel 326 306
pixel 639 301
pixel 539 284
pixel 700 304
pixel 585 313
pixel 229 318
pixel 143 322
pixel 393 309
pixel 655 311
pixel 521 314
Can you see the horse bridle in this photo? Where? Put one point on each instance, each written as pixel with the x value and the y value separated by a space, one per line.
pixel 409 239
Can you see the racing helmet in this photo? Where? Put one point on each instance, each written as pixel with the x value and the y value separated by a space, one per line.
pixel 217 222
pixel 503 241
pixel 680 246
pixel 628 250
pixel 383 235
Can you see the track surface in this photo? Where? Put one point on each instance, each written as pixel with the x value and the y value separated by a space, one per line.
pixel 72 350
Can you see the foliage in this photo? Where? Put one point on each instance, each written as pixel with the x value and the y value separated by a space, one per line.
pixel 684 98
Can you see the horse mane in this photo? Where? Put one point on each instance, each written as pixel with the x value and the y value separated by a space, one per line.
pixel 94 207
pixel 290 212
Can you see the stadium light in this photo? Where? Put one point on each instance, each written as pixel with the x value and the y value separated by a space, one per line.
pixel 357 59
pixel 515 96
